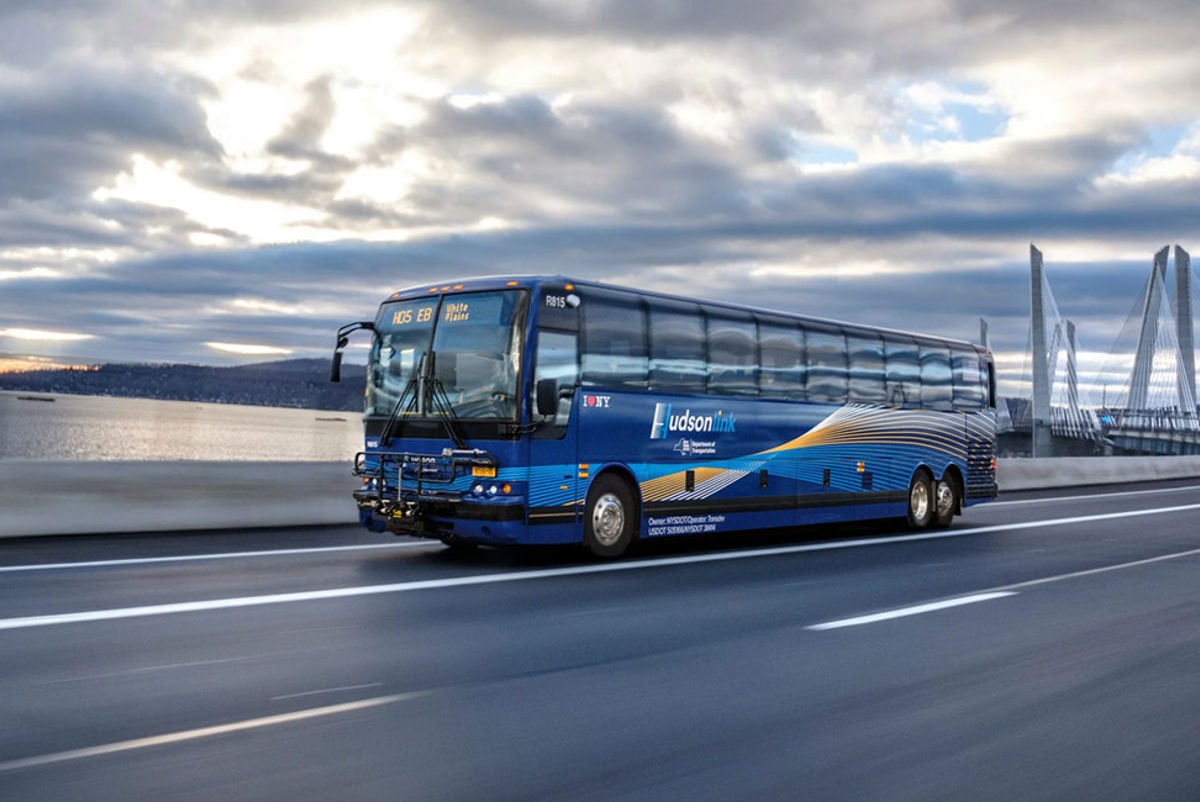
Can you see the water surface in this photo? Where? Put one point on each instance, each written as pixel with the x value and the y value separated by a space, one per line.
pixel 95 428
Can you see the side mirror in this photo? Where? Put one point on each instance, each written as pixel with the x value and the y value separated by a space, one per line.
pixel 343 339
pixel 547 397
pixel 335 370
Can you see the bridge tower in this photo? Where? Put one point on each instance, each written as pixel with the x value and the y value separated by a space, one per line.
pixel 1072 373
pixel 1143 359
pixel 1184 326
pixel 1042 442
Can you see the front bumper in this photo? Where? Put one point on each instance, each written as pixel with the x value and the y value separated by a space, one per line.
pixel 426 495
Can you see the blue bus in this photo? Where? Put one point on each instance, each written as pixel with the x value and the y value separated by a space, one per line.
pixel 540 410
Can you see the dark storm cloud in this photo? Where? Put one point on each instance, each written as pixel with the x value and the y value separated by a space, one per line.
pixel 301 136
pixel 600 183
pixel 71 132
pixel 508 155
pixel 171 298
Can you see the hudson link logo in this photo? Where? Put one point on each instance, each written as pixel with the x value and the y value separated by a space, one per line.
pixel 665 422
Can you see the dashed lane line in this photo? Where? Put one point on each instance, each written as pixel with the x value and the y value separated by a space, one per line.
pixel 206 732
pixel 993 593
pixel 902 612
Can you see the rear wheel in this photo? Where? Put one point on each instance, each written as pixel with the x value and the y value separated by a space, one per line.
pixel 920 500
pixel 945 500
pixel 610 520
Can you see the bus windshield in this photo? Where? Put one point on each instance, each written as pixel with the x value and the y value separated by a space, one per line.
pixel 469 347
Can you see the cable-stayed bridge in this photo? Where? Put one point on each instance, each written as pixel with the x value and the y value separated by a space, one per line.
pixel 1142 400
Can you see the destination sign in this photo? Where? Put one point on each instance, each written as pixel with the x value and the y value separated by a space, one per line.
pixel 409 315
pixel 458 312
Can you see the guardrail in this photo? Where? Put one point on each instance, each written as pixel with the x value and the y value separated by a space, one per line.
pixel 64 497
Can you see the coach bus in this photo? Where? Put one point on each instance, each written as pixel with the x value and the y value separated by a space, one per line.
pixel 538 410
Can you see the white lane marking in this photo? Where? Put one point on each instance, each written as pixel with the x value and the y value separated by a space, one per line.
pixel 323 691
pixel 522 576
pixel 918 609
pixel 232 555
pixel 995 593
pixel 1092 496
pixel 1101 570
pixel 206 732
pixel 1078 519
pixel 127 672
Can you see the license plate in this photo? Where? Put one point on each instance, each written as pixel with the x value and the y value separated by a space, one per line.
pixel 483 471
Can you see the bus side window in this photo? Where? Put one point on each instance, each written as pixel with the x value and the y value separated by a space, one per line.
pixel 903 373
pixel 866 369
pixel 970 380
pixel 557 360
pixel 990 383
pixel 783 368
pixel 732 355
pixel 614 341
pixel 936 378
pixel 827 369
pixel 678 362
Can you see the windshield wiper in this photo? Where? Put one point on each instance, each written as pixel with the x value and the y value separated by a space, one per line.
pixel 411 395
pixel 425 395
pixel 444 409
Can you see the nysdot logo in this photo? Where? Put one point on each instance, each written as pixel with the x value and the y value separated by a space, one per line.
pixel 666 421
pixel 597 401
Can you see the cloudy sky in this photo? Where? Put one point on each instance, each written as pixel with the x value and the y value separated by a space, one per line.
pixel 228 180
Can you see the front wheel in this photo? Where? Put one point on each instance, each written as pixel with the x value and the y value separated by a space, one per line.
pixel 920 500
pixel 610 520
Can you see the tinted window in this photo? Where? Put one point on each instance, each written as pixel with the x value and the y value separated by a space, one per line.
pixel 783 368
pixel 827 372
pixel 866 369
pixel 614 340
pixel 732 355
pixel 936 383
pixel 677 348
pixel 557 360
pixel 970 380
pixel 903 373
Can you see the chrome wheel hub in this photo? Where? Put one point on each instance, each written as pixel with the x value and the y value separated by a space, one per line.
pixel 918 501
pixel 945 499
pixel 608 519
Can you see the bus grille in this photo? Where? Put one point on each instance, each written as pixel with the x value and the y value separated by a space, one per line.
pixel 981 478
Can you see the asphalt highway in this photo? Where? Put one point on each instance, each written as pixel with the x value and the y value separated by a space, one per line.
pixel 1047 646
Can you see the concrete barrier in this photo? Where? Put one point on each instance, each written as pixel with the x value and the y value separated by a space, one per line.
pixel 1050 472
pixel 64 497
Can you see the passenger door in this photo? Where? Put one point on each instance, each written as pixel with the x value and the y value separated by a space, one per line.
pixel 553 443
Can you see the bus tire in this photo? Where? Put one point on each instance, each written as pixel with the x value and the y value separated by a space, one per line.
pixel 610 519
pixel 945 501
pixel 920 500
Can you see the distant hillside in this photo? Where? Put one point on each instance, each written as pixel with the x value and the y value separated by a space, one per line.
pixel 302 383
